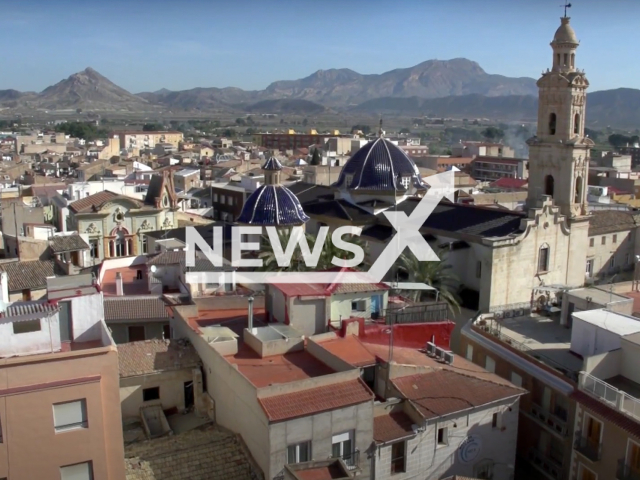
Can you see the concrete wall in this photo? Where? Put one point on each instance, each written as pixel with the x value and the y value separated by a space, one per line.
pixel 31 448
pixel 319 429
pixel 426 459
pixel 622 251
pixel 87 314
pixel 120 331
pixel 308 316
pixel 326 357
pixel 604 365
pixel 629 360
pixel 171 386
pixel 236 403
pixel 268 348
pixel 46 340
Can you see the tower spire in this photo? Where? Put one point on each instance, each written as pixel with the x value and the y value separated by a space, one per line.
pixel 380 133
pixel 566 6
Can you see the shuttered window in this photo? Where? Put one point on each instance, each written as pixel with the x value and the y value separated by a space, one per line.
pixel 79 471
pixel 70 415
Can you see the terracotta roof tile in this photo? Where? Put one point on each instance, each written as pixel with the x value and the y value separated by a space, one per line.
pixel 97 200
pixel 150 356
pixel 442 392
pixel 390 427
pixel 315 400
pixel 608 221
pixel 67 243
pixel 134 307
pixel 506 182
pixel 28 275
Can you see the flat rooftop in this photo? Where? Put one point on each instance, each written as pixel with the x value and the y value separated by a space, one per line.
pixel 542 337
pixel 290 367
pixel 613 322
pixel 234 319
pixel 131 285
pixel 350 349
pixel 598 295
pixel 623 383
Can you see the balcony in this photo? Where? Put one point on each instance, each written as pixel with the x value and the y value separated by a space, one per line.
pixel 609 394
pixel 550 467
pixel 626 471
pixel 351 460
pixel 549 420
pixel 587 447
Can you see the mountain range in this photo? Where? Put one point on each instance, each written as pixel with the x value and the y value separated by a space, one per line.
pixel 458 88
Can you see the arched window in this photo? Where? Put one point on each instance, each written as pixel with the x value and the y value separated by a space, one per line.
pixel 120 245
pixel 576 123
pixel 548 185
pixel 111 249
pixel 543 258
pixel 578 198
pixel 573 60
pixel 566 59
pixel 558 59
pixel 552 124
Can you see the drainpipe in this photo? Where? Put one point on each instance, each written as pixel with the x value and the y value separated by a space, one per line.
pixel 250 312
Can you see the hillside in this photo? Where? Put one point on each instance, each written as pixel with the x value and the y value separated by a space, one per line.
pixel 286 106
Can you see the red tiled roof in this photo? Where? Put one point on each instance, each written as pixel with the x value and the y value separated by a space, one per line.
pixel 442 392
pixel 351 350
pixel 315 400
pixel 97 200
pixel 390 427
pixel 608 413
pixel 506 182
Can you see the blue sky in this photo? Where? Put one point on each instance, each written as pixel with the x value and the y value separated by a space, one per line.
pixel 145 45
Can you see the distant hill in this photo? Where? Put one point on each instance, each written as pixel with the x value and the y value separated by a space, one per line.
pixel 199 99
pixel 286 106
pixel 620 107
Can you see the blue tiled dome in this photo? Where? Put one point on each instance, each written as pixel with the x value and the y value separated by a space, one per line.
pixel 272 164
pixel 380 165
pixel 272 205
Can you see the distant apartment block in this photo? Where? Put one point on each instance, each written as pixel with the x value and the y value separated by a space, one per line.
pixel 290 140
pixel 130 140
pixel 491 168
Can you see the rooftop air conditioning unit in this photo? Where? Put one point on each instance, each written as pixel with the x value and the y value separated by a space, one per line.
pixel 431 349
pixel 448 358
pixel 439 353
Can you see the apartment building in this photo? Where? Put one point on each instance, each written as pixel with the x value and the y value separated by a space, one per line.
pixel 60 392
pixel 490 168
pixel 290 140
pixel 474 149
pixel 136 139
pixel 227 202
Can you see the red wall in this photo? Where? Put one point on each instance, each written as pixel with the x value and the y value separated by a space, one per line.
pixel 414 335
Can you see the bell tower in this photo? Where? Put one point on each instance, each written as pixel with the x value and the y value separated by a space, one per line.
pixel 559 152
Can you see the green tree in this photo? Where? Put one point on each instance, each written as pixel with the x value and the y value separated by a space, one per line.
pixel 315 157
pixel 229 133
pixel 365 129
pixel 405 130
pixel 438 275
pixel 493 133
pixel 618 140
pixel 152 127
pixel 241 122
pixel 305 122
pixel 86 131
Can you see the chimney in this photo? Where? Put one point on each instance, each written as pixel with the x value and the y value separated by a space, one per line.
pixel 119 286
pixel 250 312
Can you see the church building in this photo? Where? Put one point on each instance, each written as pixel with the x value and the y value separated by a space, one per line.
pixel 504 260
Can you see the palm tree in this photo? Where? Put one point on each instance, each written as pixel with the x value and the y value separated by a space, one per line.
pixel 435 274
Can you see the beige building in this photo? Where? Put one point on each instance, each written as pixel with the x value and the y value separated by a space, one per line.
pixel 321 174
pixel 139 140
pixel 60 390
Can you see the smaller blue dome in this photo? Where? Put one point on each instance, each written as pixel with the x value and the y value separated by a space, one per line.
pixel 273 205
pixel 272 164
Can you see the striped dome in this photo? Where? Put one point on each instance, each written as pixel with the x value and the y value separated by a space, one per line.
pixel 273 205
pixel 380 165
pixel 272 164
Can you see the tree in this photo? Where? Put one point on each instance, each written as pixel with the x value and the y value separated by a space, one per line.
pixel 86 131
pixel 241 122
pixel 435 274
pixel 493 133
pixel 305 122
pixel 619 140
pixel 152 127
pixel 229 133
pixel 315 157
pixel 405 130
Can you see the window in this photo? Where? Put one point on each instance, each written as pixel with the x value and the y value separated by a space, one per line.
pixel 222 199
pixel 592 242
pixel 612 262
pixel 543 259
pixel 79 471
pixel 490 364
pixel 398 457
pixel 633 458
pixel 70 415
pixel 549 185
pixel 552 124
pixel 469 355
pixel 359 306
pixel 136 333
pixel 576 123
pixel 443 437
pixel 27 326
pixel 93 245
pixel 585 474
pixel 406 181
pixel 215 198
pixel 603 241
pixel 516 379
pixel 300 452
pixel 478 269
pixel 495 420
pixel 149 394
pixel 589 272
pixel 615 239
pixel 342 447
pixel 166 332
pixel 145 244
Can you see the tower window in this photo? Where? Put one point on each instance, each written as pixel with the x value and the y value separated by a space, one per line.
pixel 578 190
pixel 576 123
pixel 566 59
pixel 557 59
pixel 573 60
pixel 543 259
pixel 548 185
pixel 552 124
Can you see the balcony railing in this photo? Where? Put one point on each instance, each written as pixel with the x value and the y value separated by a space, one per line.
pixel 351 459
pixel 589 448
pixel 549 420
pixel 610 394
pixel 549 466
pixel 626 471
